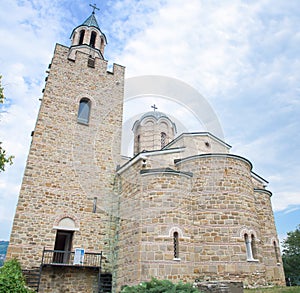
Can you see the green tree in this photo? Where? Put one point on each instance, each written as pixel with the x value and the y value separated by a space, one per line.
pixel 2 97
pixel 160 286
pixel 291 256
pixel 4 158
pixel 11 278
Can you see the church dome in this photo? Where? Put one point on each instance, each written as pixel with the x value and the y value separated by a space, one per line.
pixel 153 131
pixel 156 115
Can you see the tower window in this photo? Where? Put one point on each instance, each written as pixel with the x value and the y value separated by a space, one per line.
pixel 81 37
pixel 176 245
pixel 84 111
pixel 163 139
pixel 93 39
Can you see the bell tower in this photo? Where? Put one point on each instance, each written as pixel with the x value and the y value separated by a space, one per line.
pixel 66 197
pixel 88 38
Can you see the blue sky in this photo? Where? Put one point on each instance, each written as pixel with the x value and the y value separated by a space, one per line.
pixel 242 56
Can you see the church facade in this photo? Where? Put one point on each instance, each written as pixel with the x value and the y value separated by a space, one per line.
pixel 89 220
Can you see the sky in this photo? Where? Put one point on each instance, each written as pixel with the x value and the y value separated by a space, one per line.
pixel 242 56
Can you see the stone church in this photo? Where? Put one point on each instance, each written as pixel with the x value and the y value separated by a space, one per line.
pixel 89 220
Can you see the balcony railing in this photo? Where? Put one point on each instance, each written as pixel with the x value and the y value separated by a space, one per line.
pixel 69 258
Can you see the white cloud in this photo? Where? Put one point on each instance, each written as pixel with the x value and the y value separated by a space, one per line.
pixel 241 55
pixel 289 201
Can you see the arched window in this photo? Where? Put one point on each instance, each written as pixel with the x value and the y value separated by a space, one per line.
pixel 84 111
pixel 163 139
pixel 253 247
pixel 81 37
pixel 176 245
pixel 93 39
pixel 248 247
pixel 276 251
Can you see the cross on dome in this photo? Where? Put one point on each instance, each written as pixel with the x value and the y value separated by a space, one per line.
pixel 154 107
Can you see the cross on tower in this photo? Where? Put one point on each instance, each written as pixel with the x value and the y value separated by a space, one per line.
pixel 94 7
pixel 154 107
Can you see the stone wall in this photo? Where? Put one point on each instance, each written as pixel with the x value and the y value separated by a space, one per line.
pixel 70 164
pixel 63 280
pixel 211 201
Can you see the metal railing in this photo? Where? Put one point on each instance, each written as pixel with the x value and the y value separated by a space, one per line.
pixel 68 258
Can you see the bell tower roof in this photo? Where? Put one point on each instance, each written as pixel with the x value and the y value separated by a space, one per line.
pixel 91 21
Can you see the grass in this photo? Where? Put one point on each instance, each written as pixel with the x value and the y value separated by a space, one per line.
pixel 295 289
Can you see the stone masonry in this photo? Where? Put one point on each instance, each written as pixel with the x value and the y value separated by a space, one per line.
pixel 212 200
pixel 183 208
pixel 70 164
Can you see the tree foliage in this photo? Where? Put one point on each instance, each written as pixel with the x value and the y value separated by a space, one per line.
pixel 291 255
pixel 4 158
pixel 11 278
pixel 160 286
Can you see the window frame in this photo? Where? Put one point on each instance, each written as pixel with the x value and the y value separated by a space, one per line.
pixel 251 249
pixel 176 245
pixel 84 118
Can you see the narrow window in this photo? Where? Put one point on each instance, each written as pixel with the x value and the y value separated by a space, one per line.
pixel 138 143
pixel 93 39
pixel 276 251
pixel 81 37
pixel 176 245
pixel 95 205
pixel 163 139
pixel 248 247
pixel 84 111
pixel 253 247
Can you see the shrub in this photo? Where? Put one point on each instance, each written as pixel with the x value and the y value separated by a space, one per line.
pixel 160 286
pixel 11 278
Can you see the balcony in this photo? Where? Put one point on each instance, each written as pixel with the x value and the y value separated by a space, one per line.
pixel 77 258
pixel 69 259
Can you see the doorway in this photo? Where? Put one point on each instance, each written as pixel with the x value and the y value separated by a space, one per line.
pixel 63 246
